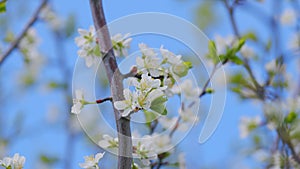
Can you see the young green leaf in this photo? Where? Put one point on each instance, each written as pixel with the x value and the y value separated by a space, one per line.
pixel 3 6
pixel 212 52
pixel 236 60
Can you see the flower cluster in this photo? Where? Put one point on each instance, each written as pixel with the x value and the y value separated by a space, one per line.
pixel 288 17
pixel 121 44
pixel 248 124
pixel 148 95
pixel 145 148
pixel 78 102
pixel 29 46
pixel 16 162
pixel 51 17
pixel 91 162
pixel 223 44
pixel 108 142
pixel 171 66
pixel 156 77
pixel 87 42
pixel 89 47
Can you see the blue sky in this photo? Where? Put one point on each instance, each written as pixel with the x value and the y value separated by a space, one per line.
pixel 51 138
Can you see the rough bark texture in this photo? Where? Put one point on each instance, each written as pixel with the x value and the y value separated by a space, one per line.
pixel 115 80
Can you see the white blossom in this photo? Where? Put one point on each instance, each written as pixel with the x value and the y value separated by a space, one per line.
pixel 275 111
pixel 187 89
pixel 247 52
pixel 16 162
pixel 6 162
pixel 121 44
pixel 149 62
pixel 129 104
pixel 271 66
pixel 294 42
pixel 288 17
pixel 276 160
pixel 178 68
pixel 187 115
pixel 161 143
pixel 170 123
pixel 167 123
pixel 143 148
pixel 222 43
pixel 261 155
pixel 91 162
pixel 29 45
pixel 89 49
pixel 146 83
pixel 181 161
pixel 145 100
pixel 170 57
pixel 146 91
pixel 248 124
pixel 86 38
pixel 108 142
pixel 50 16
pixel 78 102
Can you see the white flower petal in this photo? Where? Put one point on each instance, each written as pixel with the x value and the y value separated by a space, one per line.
pixel 120 105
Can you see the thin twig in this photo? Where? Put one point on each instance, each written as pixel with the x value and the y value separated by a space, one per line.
pixel 175 127
pixel 231 16
pixel 30 23
pixel 104 100
pixel 203 92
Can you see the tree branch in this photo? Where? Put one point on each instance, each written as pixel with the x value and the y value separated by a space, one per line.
pixel 282 134
pixel 16 42
pixel 231 16
pixel 115 80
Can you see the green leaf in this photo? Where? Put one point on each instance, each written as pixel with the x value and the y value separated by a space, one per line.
pixel 188 64
pixel 291 117
pixel 28 79
pixel 212 52
pixel 53 85
pixel 256 139
pixel 48 160
pixel 149 117
pixel 251 36
pixel 206 8
pixel 209 90
pixel 241 43
pixel 158 105
pixel 236 60
pixel 238 78
pixel 223 57
pixel 159 100
pixel 134 166
pixel 9 37
pixel 159 108
pixel 237 47
pixel 3 6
